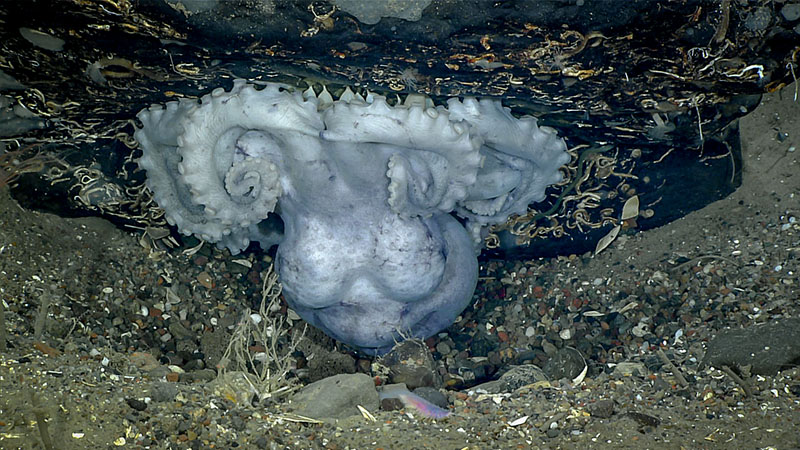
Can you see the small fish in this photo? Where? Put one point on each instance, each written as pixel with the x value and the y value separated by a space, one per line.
pixel 411 400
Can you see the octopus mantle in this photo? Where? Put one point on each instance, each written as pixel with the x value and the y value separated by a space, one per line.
pixel 361 197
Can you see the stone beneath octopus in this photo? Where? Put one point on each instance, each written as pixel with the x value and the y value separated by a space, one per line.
pixel 367 195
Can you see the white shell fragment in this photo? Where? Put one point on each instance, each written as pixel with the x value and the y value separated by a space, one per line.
pixel 631 208
pixel 517 422
pixel 628 307
pixel 606 240
pixel 42 40
pixel 581 376
pixel 366 414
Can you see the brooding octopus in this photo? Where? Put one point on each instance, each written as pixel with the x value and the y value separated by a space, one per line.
pixel 377 208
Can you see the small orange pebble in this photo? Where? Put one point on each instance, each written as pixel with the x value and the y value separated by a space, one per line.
pixel 205 280
pixel 173 377
pixel 46 349
pixel 462 395
pixel 542 309
pixel 508 353
pixel 431 342
pixel 503 336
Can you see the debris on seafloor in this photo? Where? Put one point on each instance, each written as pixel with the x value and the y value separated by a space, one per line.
pixel 412 400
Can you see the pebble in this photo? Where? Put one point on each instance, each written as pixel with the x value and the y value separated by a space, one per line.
pixel 566 363
pixel 432 395
pixel 410 362
pixel 765 347
pixel 336 397
pixel 136 404
pixel 759 19
pixel 515 378
pixel 160 391
pixel 791 11
pixel 630 368
pixel 205 280
pixel 196 376
pixel 602 409
pixel 530 331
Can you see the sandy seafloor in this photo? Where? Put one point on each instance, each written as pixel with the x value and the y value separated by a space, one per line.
pixel 731 264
